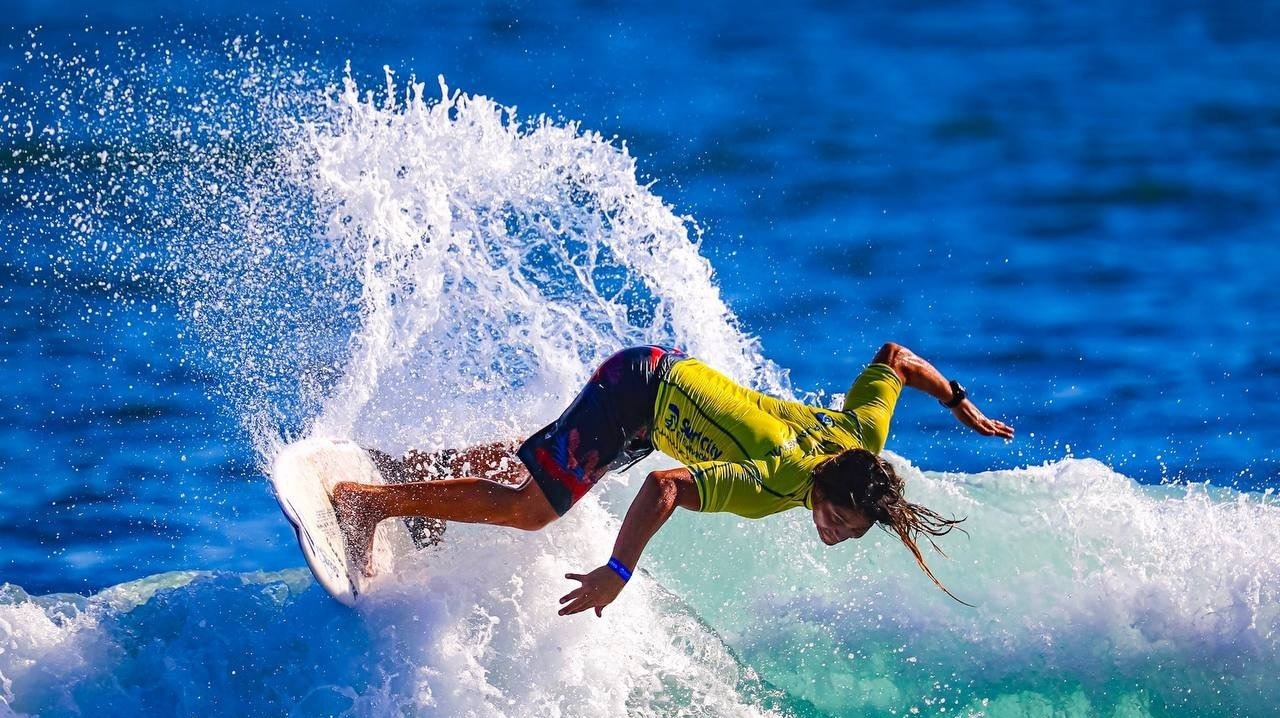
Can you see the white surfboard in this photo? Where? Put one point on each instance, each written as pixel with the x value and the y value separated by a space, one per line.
pixel 302 477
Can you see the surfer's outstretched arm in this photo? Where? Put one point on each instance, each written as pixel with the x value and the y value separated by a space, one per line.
pixel 919 374
pixel 658 498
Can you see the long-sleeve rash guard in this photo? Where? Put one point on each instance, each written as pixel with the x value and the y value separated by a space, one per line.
pixel 754 455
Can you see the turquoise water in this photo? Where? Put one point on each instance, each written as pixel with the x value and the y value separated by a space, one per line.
pixel 220 233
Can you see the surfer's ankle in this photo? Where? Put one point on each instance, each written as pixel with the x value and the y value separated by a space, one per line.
pixel 340 495
pixel 350 501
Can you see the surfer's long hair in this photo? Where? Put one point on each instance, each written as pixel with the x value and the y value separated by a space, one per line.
pixel 859 479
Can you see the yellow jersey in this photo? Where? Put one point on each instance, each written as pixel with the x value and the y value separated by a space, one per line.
pixel 754 455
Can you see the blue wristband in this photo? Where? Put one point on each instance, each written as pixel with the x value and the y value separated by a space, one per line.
pixel 619 569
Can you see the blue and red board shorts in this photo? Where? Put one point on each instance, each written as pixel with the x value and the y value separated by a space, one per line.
pixel 608 427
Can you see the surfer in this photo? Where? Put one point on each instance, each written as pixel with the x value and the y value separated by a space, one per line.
pixel 743 452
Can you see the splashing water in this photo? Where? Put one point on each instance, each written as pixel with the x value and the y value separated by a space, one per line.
pixel 497 264
pixel 369 265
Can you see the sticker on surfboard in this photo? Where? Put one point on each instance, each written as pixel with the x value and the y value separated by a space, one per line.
pixel 302 477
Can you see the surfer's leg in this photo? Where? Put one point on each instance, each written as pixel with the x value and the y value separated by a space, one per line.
pixel 496 460
pixel 360 507
pixel 606 427
pixel 469 500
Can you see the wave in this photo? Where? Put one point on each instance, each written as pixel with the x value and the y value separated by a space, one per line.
pixel 467 630
pixel 1094 595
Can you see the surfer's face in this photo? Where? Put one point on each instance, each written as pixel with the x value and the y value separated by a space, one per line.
pixel 838 523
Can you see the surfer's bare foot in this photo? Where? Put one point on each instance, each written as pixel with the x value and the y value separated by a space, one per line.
pixel 357 519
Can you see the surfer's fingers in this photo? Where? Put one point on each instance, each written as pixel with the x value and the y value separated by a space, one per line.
pixel 985 426
pixel 572 595
pixel 599 611
pixel 575 576
pixel 577 606
pixel 971 417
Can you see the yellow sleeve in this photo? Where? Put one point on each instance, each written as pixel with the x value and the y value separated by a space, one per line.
pixel 752 489
pixel 872 399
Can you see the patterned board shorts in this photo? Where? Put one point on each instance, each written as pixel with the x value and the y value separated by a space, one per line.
pixel 608 427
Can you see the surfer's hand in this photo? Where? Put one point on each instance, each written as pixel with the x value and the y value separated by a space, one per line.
pixel 598 590
pixel 966 413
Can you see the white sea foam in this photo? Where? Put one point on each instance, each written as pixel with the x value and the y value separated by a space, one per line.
pixel 471 629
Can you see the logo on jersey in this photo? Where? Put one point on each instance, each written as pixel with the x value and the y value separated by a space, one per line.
pixel 693 442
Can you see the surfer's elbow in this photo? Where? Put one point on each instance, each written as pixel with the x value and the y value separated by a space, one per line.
pixel 674 488
pixel 896 357
pixel 533 512
pixel 892 354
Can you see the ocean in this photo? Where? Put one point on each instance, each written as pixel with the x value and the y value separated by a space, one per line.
pixel 228 226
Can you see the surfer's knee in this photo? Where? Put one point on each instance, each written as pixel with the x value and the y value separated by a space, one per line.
pixel 535 512
pixel 536 522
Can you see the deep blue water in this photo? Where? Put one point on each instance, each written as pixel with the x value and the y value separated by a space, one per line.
pixel 1072 208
